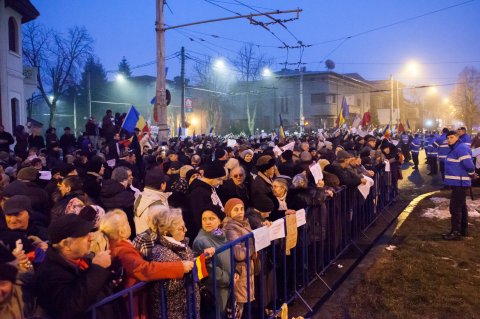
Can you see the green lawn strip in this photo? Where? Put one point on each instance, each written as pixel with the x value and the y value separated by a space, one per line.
pixel 425 277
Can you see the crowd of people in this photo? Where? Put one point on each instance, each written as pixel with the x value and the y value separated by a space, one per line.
pixel 82 218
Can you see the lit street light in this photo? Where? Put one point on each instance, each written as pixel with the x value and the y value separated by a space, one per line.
pixel 266 72
pixel 120 77
pixel 220 65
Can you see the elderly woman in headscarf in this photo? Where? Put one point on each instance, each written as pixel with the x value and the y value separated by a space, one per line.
pixel 212 235
pixel 172 245
pixel 236 226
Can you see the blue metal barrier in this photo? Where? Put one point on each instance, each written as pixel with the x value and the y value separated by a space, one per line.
pixel 330 230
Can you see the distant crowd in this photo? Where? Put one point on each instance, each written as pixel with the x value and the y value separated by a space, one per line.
pixel 83 217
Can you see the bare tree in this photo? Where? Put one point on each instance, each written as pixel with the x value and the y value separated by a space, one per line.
pixel 249 65
pixel 58 58
pixel 215 89
pixel 467 96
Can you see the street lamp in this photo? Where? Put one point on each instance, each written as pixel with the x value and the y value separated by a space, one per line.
pixel 220 65
pixel 120 77
pixel 266 72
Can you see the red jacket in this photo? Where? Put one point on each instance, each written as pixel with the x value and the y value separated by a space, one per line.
pixel 138 269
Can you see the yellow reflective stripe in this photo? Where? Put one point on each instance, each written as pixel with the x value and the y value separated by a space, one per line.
pixel 453 160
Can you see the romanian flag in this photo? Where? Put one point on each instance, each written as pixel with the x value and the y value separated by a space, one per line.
pixel 199 270
pixel 134 120
pixel 344 112
pixel 281 131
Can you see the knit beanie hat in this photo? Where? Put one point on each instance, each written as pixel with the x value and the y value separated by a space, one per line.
pixel 219 153
pixel 230 204
pixel 264 162
pixel 214 170
pixel 215 209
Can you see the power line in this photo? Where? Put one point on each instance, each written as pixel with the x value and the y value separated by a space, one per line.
pixel 344 39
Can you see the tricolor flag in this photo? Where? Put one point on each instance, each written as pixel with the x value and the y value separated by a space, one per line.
pixel 199 270
pixel 386 129
pixel 344 112
pixel 134 120
pixel 281 131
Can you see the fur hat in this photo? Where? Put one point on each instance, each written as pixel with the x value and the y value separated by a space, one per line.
pixel 265 162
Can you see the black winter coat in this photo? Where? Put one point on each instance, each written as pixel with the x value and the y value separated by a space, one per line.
pixel 114 195
pixel 66 291
pixel 346 176
pixel 200 197
pixel 38 196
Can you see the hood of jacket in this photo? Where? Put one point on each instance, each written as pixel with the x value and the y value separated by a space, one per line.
pixel 148 197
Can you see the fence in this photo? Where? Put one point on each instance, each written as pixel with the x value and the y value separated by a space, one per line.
pixel 330 230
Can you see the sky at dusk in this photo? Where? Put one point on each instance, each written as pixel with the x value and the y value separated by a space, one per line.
pixel 441 42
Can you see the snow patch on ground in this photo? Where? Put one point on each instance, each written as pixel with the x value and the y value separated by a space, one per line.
pixel 442 211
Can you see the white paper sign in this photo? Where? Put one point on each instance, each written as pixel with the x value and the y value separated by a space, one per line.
pixel 111 162
pixel 365 189
pixel 277 229
pixel 262 238
pixel 231 143
pixel 277 151
pixel 45 175
pixel 316 171
pixel 301 217
pixel 475 152
pixel 289 146
pixel 387 166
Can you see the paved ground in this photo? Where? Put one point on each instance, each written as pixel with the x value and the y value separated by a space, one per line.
pixel 414 183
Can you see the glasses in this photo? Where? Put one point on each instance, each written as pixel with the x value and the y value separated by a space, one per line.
pixel 182 229
pixel 238 175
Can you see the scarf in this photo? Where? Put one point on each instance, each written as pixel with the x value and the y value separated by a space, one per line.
pixel 282 202
pixel 217 232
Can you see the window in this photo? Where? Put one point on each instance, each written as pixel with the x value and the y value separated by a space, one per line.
pixel 12 35
pixel 318 98
pixel 284 104
pixel 14 107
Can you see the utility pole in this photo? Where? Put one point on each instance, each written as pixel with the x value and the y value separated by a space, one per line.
pixel 302 119
pixel 182 78
pixel 391 100
pixel 160 108
pixel 398 104
pixel 160 111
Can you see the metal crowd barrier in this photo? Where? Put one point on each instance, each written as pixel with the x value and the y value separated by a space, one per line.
pixel 330 230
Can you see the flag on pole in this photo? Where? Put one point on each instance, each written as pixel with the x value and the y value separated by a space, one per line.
pixel 366 119
pixel 199 270
pixel 400 128
pixel 134 120
pixel 344 112
pixel 281 131
pixel 385 130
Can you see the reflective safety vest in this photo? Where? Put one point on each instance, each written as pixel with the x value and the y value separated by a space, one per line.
pixel 459 165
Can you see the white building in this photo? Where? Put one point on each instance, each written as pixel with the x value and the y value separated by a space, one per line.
pixel 13 13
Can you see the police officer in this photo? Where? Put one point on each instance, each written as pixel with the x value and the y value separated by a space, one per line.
pixel 432 155
pixel 441 145
pixel 415 148
pixel 464 137
pixel 405 140
pixel 459 170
